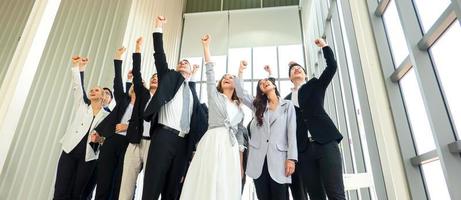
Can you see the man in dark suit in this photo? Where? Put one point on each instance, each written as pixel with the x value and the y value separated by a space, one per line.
pixel 177 123
pixel 113 130
pixel 319 168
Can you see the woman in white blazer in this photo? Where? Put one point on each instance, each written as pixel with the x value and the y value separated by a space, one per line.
pixel 272 147
pixel 78 160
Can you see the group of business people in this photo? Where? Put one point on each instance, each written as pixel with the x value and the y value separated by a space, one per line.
pixel 193 151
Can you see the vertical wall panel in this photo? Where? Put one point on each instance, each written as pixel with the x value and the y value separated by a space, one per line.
pixel 85 27
pixel 13 18
pixel 241 4
pixel 141 23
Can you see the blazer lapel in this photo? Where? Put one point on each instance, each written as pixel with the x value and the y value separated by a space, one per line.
pixel 280 110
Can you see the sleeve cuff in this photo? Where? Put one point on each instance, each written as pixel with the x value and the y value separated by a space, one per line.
pixel 158 30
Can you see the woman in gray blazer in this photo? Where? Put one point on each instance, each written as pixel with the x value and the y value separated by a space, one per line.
pixel 272 147
pixel 215 171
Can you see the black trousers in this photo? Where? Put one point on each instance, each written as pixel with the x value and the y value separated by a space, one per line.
pixel 321 171
pixel 74 174
pixel 110 167
pixel 298 184
pixel 268 189
pixel 166 163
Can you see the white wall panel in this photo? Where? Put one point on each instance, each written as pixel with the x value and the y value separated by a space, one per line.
pixel 141 23
pixel 13 18
pixel 85 27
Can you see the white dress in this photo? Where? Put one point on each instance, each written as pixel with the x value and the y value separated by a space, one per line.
pixel 214 173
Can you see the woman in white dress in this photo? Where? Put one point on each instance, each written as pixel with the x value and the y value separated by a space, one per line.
pixel 215 171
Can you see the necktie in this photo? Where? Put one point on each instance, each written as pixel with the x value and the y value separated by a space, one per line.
pixel 185 115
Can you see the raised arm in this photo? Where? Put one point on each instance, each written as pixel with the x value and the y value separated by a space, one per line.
pixel 77 89
pixel 129 82
pixel 137 78
pixel 159 53
pixel 119 94
pixel 82 66
pixel 212 92
pixel 330 70
pixel 242 94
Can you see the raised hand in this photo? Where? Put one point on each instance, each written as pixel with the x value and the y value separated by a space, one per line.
pixel 76 61
pixel 119 53
pixel 130 75
pixel 195 68
pixel 206 39
pixel 139 43
pixel 83 63
pixel 243 66
pixel 160 21
pixel 320 42
pixel 268 69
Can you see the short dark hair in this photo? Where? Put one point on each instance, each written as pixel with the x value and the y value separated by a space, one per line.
pixel 291 65
pixel 110 92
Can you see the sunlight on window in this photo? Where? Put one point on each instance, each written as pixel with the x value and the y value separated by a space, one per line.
pixel 429 11
pixel 417 114
pixel 445 54
pixel 435 181
pixel 395 34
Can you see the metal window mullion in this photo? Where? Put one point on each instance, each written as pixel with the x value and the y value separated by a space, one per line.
pixel 439 27
pixel 343 71
pixel 439 119
pixel 380 7
pixel 369 128
pixel 403 68
pixel 457 7
pixel 400 119
pixel 424 158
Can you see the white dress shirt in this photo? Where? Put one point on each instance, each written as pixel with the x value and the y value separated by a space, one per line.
pixel 170 113
pixel 126 117
pixel 294 99
pixel 146 130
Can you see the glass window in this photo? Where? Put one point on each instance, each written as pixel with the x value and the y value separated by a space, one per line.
pixel 285 88
pixel 429 11
pixel 264 56
pixel 435 181
pixel 395 34
pixel 445 55
pixel 200 74
pixel 220 66
pixel 414 104
pixel 235 56
pixel 289 53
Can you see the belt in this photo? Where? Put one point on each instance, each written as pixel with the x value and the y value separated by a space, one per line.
pixel 172 130
pixel 145 137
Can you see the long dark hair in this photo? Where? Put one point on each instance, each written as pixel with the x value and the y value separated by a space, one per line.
pixel 234 94
pixel 260 102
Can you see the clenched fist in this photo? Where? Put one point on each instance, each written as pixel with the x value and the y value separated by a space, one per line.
pixel 160 21
pixel 76 60
pixel 320 42
pixel 119 53
pixel 206 39
pixel 139 43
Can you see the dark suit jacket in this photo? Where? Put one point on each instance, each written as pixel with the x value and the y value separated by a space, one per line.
pixel 169 83
pixel 136 126
pixel 311 100
pixel 301 129
pixel 107 127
